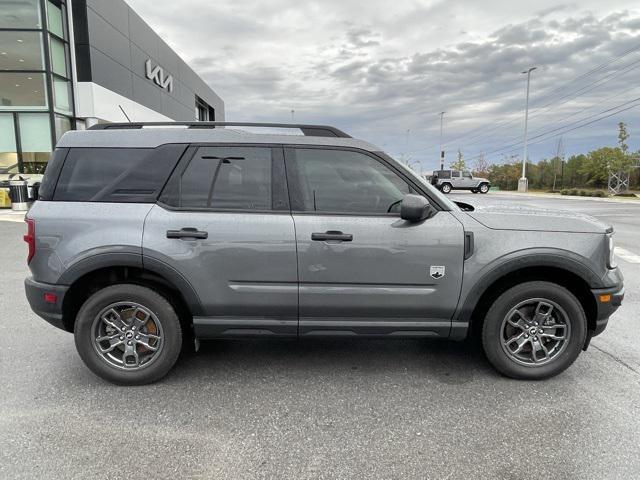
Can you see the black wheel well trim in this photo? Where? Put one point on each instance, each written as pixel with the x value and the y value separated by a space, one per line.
pixel 106 268
pixel 555 268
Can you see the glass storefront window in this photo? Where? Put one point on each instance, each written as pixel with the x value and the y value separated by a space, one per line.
pixel 8 155
pixel 22 90
pixel 35 137
pixel 58 56
pixel 56 19
pixel 22 14
pixel 21 51
pixel 62 95
pixel 62 125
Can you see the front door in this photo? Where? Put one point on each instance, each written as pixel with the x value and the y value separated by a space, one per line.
pixel 224 225
pixel 361 268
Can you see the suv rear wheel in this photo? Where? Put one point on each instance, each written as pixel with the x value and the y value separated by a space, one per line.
pixel 445 188
pixel 534 330
pixel 128 334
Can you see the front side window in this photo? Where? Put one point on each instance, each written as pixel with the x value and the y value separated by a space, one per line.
pixel 227 178
pixel 338 181
pixel 466 174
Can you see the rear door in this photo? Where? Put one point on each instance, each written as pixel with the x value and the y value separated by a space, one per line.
pixel 467 179
pixel 362 269
pixel 223 224
pixel 456 180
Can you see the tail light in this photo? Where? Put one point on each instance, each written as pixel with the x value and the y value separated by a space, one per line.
pixel 30 238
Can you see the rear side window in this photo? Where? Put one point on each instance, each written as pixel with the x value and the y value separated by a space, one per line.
pixel 116 174
pixel 455 174
pixel 225 178
pixel 51 173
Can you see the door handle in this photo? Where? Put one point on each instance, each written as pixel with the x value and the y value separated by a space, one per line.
pixel 332 235
pixel 187 233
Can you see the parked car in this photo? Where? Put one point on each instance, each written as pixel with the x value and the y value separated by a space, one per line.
pixel 146 239
pixel 447 180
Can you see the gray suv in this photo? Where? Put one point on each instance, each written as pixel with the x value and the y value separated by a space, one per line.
pixel 146 240
pixel 447 180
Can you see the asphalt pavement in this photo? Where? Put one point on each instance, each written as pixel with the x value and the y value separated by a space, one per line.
pixel 322 408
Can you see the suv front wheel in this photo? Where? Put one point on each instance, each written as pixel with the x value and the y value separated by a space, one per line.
pixel 484 188
pixel 534 330
pixel 128 334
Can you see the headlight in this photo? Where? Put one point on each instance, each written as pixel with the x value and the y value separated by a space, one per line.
pixel 611 262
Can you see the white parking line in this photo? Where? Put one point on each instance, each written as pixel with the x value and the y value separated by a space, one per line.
pixel 626 255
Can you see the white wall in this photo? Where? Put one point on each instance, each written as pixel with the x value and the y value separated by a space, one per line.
pixel 95 101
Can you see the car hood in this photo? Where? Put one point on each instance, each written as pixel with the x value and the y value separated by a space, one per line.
pixel 507 217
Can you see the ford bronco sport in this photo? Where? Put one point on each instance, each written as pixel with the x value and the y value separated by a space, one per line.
pixel 146 239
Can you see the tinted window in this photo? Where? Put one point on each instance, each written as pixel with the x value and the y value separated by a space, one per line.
pixel 455 174
pixel 51 173
pixel 336 181
pixel 116 174
pixel 445 174
pixel 466 174
pixel 227 178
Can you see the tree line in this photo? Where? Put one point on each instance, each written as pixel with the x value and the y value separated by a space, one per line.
pixel 588 170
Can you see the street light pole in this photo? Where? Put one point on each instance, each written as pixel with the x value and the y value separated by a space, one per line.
pixel 441 145
pixel 523 184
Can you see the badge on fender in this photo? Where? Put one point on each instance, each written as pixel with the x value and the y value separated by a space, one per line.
pixel 436 271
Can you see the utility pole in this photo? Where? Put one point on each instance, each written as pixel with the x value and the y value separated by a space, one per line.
pixel 558 158
pixel 441 145
pixel 523 185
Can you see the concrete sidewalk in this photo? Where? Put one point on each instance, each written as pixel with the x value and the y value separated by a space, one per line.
pixel 8 215
pixel 627 200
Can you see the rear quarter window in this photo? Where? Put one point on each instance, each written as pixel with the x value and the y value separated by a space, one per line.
pixel 116 174
pixel 51 173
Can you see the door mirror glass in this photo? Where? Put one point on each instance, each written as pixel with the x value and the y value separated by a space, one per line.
pixel 415 208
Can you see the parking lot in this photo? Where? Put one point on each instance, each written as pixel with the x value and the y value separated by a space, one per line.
pixel 334 408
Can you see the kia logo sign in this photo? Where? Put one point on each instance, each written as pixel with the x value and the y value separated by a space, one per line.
pixel 156 74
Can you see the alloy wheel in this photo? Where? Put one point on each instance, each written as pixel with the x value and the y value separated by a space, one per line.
pixel 127 335
pixel 535 332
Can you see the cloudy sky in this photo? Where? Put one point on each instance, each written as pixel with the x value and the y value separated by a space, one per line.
pixel 384 70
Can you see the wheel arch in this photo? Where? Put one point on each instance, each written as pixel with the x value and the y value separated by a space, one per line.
pixel 570 274
pixel 99 271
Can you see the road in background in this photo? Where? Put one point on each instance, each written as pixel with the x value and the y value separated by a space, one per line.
pixel 333 408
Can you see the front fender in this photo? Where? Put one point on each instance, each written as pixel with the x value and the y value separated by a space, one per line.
pixel 538 257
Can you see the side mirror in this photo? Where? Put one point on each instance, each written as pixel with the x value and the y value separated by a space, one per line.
pixel 415 208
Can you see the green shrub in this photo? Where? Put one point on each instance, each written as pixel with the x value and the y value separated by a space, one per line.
pixel 598 193
pixel 573 191
pixel 583 193
pixel 564 191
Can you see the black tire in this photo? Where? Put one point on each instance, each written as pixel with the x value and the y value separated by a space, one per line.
pixel 473 190
pixel 484 188
pixel 163 360
pixel 445 188
pixel 493 324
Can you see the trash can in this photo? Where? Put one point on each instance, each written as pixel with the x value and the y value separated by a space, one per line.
pixel 33 191
pixel 19 194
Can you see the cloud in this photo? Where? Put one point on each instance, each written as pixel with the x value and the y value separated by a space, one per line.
pixel 380 69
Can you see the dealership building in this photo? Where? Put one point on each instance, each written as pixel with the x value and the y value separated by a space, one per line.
pixel 69 64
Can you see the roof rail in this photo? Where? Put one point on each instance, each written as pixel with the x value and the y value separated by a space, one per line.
pixel 307 130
